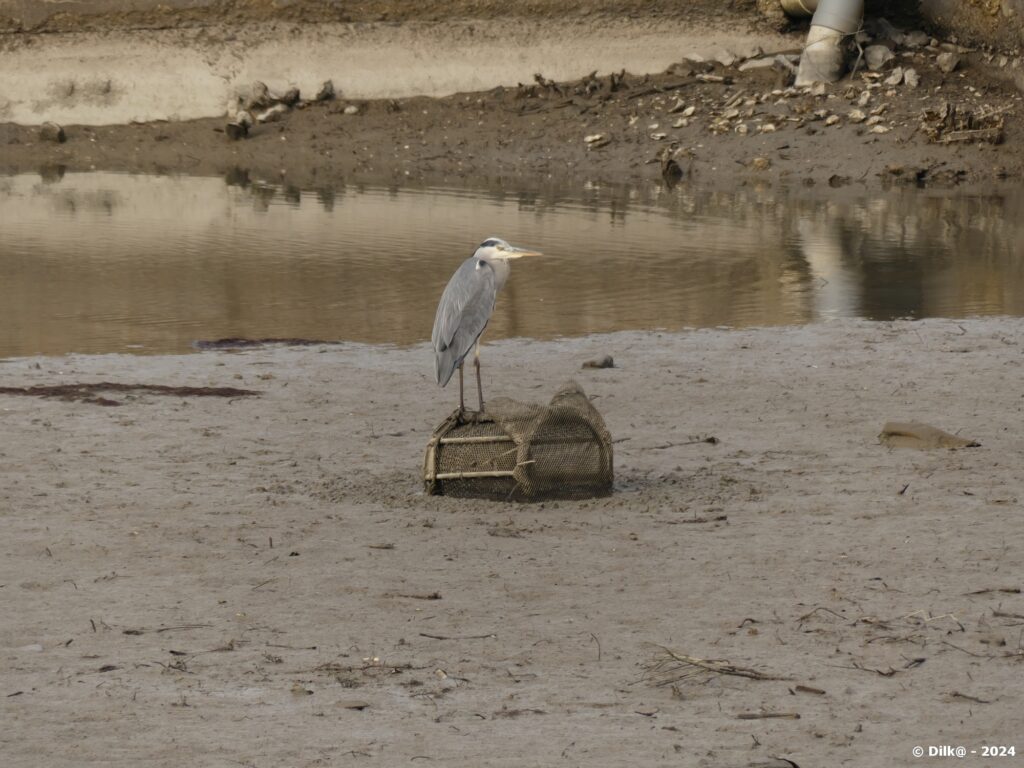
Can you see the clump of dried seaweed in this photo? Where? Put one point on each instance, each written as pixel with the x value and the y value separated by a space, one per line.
pixel 670 667
pixel 948 124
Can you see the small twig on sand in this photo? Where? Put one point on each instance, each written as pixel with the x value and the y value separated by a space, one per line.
pixel 768 715
pixel 809 689
pixel 1005 615
pixel 457 637
pixel 883 672
pixel 969 653
pixel 958 695
pixel 821 608
pixel 165 629
pixel 413 596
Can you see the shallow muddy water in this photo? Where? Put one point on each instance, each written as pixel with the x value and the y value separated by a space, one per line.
pixel 103 262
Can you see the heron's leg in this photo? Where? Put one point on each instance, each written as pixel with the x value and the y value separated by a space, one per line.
pixel 462 401
pixel 479 386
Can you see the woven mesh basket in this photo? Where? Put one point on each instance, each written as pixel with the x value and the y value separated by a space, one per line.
pixel 523 452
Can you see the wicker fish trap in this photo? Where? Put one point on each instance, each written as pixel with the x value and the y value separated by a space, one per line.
pixel 523 452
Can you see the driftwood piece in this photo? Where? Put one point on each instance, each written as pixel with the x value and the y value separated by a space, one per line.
pixel 923 437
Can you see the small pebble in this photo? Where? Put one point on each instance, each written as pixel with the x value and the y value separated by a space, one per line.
pixel 52 132
pixel 326 92
pixel 604 361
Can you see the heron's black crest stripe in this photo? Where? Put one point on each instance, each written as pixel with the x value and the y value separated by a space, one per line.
pixel 488 243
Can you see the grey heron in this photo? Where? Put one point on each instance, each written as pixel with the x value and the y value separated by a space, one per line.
pixel 465 309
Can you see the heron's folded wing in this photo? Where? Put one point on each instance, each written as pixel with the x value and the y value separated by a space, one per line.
pixel 465 307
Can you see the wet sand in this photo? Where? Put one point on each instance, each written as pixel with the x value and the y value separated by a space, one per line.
pixel 259 580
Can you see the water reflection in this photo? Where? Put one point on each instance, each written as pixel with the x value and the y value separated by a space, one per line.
pixel 106 262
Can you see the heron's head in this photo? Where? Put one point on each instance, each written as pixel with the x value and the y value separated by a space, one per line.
pixel 495 248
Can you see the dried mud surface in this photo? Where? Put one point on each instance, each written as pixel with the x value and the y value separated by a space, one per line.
pixel 259 581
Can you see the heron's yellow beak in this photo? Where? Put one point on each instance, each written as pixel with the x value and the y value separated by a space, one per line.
pixel 511 252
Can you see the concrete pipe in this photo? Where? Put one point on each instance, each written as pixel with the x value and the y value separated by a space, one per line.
pixel 822 59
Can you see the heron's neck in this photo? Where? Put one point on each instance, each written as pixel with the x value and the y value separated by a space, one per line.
pixel 501 272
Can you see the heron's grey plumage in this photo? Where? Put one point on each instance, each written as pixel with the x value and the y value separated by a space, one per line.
pixel 466 306
pixel 463 314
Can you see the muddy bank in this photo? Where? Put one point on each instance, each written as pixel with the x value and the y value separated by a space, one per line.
pixel 186 72
pixel 730 123
pixel 264 574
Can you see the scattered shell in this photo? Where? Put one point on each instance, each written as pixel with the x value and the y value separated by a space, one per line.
pixel 633 119
pixel 768 128
pixel 831 119
pixel 856 116
pixel 653 127
pixel 911 78
pixel 351 109
pixel 948 61
pixel 688 112
pixel 272 114
pixel 874 120
pixel 760 163
pixel 742 129
pixel 679 106
pixel 593 137
pixel 896 77
pixel 877 56
pixel 681 123
pixel 725 58
pixel 880 129
pixel 731 114
pixel 865 97
pixel 658 136
pixel 819 89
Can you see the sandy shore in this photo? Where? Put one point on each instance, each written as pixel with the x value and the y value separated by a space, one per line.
pixel 259 580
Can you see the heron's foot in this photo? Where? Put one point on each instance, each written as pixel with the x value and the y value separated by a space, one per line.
pixel 473 417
